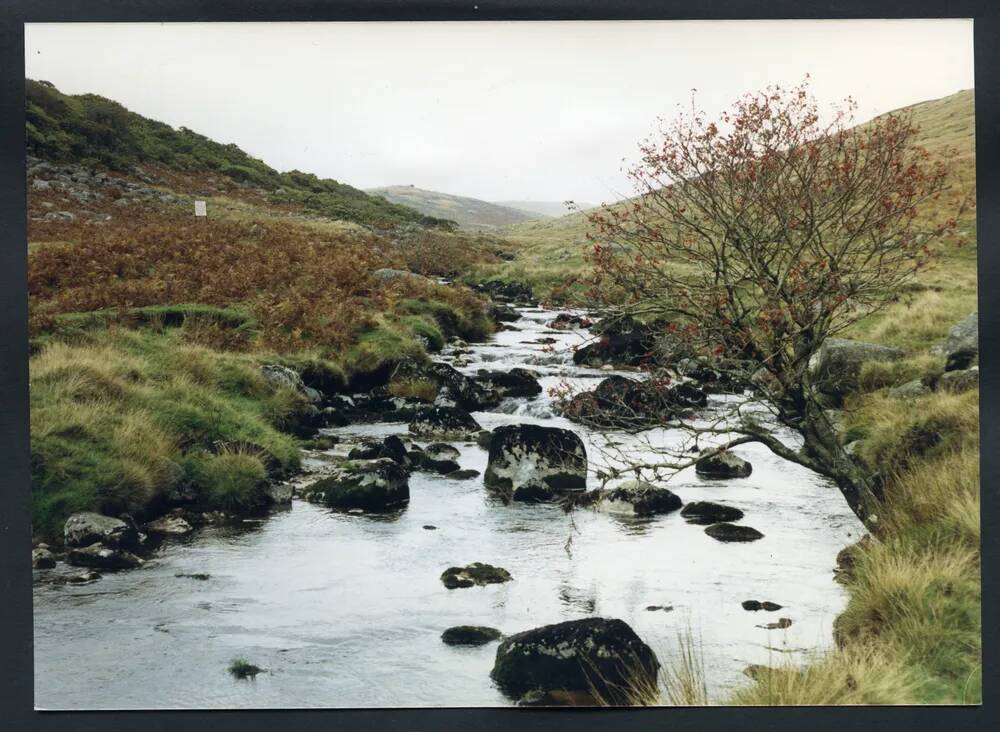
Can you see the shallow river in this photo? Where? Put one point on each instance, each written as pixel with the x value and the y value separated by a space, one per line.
pixel 347 610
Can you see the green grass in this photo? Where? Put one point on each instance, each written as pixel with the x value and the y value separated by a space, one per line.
pixel 119 421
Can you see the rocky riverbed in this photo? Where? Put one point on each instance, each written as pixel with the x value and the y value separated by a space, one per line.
pixel 344 604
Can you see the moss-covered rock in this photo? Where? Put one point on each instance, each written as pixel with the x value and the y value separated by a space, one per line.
pixel 474 574
pixel 370 485
pixel 470 635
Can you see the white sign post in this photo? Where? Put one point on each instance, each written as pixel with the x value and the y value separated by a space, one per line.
pixel 200 208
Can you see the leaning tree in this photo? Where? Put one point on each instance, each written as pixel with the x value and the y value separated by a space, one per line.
pixel 757 236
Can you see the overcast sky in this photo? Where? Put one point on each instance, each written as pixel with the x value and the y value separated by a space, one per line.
pixel 542 111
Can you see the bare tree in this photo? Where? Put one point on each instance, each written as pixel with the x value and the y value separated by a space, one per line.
pixel 757 237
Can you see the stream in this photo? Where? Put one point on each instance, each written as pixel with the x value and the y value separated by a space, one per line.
pixel 347 610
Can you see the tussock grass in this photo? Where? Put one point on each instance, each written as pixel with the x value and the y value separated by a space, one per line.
pixel 423 389
pixel 118 422
pixel 881 374
pixel 861 675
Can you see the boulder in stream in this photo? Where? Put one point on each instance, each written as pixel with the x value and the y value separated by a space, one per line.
pixel 517 382
pixel 727 532
pixel 706 512
pixel 439 457
pixel 370 485
pixel 599 658
pixel 637 498
pixel 723 464
pixel 445 423
pixel 85 528
pixel 529 462
pixel 470 635
pixel 42 558
pixel 98 556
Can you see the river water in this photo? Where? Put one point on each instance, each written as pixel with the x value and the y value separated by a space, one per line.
pixel 347 610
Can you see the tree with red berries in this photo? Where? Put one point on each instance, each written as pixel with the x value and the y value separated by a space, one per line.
pixel 759 235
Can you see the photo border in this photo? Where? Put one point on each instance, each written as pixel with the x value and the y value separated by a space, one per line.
pixel 16 668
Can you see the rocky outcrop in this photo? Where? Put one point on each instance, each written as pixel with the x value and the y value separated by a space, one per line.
pixel 910 390
pixel 473 575
pixel 602 657
pixel 517 382
pixel 706 512
pixel 836 367
pixel 369 485
pixel 501 313
pixel 532 463
pixel 723 464
pixel 85 528
pixel 387 274
pixel 733 532
pixel 470 635
pixel 636 498
pixel 445 423
pixel 282 377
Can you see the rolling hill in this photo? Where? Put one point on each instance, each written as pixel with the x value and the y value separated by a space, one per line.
pixel 99 133
pixel 469 213
pixel 544 208
pixel 551 250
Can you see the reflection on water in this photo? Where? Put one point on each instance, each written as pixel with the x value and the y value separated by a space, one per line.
pixel 347 610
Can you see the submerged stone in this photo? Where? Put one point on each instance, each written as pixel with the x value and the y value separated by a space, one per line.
pixel 474 574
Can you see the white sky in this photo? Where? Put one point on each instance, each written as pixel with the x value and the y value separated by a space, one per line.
pixel 492 110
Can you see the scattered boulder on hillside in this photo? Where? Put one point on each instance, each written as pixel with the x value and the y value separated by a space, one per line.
pixel 369 485
pixel 836 367
pixel 387 274
pixel 475 574
pixel 98 556
pixel 470 635
pixel 910 390
pixel 961 359
pixel 533 463
pixel 567 321
pixel 517 382
pixel 957 382
pixel 706 512
pixel 723 464
pixel 86 528
pixel 445 423
pixel 962 338
pixel 282 377
pixel 727 532
pixel 589 656
pixel 637 498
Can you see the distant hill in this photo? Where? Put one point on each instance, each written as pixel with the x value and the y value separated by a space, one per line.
pixel 551 248
pixel 469 213
pixel 93 131
pixel 545 208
